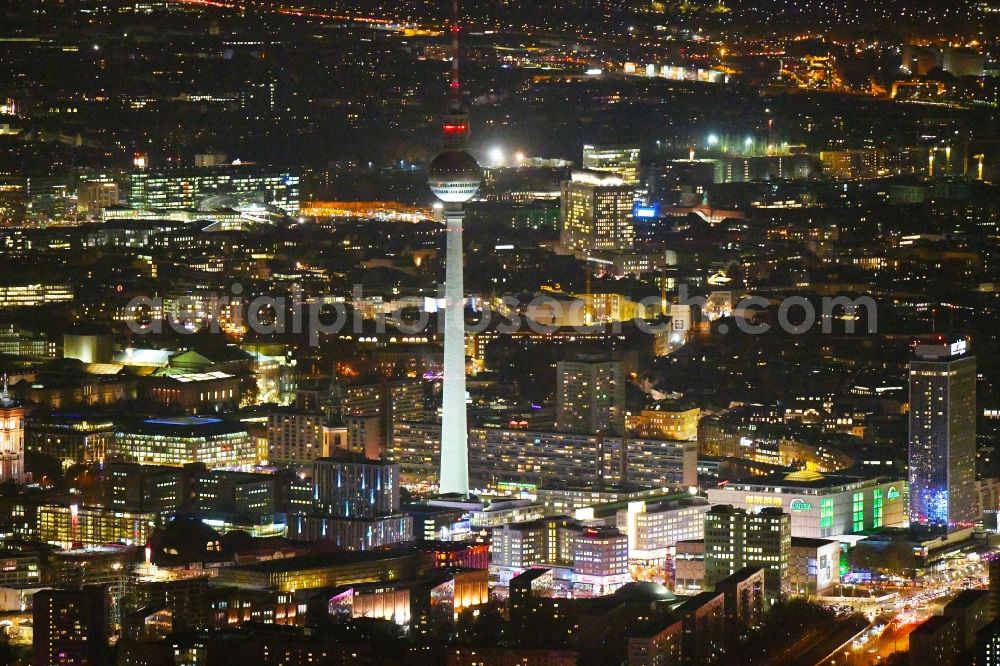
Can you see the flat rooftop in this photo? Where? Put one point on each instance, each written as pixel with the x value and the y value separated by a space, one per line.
pixel 183 426
pixel 807 542
pixel 807 481
pixel 318 560
pixel 183 420
pixel 189 377
pixel 932 624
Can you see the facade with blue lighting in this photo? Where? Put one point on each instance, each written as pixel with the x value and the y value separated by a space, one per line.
pixel 942 452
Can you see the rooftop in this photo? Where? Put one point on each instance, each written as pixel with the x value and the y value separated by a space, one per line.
pixel 132 356
pixel 655 503
pixel 319 560
pixel 644 591
pixel 807 480
pixel 968 598
pixel 932 624
pixel 530 574
pixel 187 378
pixel 183 420
pixel 184 426
pixel 697 601
pixel 806 542
pixel 538 523
pixel 942 351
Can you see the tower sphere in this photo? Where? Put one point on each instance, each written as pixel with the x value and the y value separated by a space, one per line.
pixel 454 176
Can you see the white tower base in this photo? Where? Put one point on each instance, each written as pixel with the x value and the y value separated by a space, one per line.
pixel 454 427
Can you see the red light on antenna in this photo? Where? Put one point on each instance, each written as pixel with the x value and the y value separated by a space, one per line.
pixel 455 30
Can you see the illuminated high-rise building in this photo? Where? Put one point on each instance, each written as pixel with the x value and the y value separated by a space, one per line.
pixel 600 560
pixel 590 396
pixel 11 438
pixel 618 160
pixel 735 538
pixel 454 177
pixel 942 457
pixel 596 213
pixel 355 487
pixel 988 644
pixel 71 626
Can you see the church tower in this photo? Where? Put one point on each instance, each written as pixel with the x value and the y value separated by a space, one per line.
pixel 11 438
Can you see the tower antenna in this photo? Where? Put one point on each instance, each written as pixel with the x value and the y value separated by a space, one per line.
pixel 456 121
pixel 456 85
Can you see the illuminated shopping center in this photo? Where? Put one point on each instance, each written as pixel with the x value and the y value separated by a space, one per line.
pixel 821 505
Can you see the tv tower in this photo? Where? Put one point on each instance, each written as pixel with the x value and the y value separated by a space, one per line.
pixel 454 177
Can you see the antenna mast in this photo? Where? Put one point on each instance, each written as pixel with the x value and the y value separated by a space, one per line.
pixel 456 86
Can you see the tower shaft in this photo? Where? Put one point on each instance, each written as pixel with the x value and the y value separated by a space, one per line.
pixel 454 427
